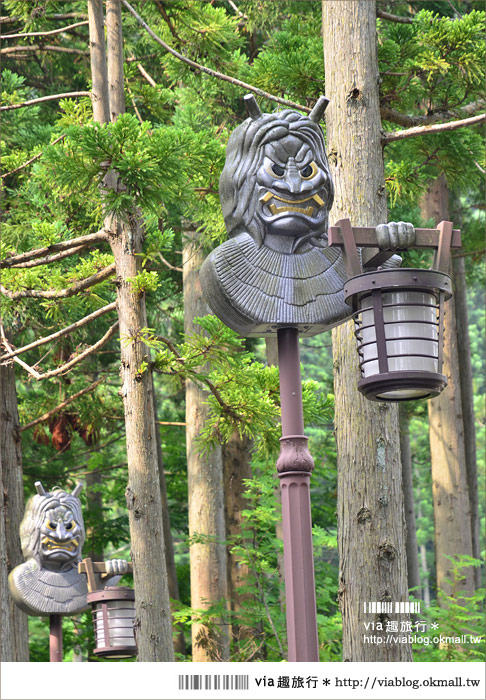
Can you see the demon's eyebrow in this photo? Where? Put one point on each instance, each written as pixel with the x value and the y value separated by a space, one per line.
pixel 305 155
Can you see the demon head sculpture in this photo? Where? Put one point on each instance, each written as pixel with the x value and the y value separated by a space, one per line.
pixel 52 530
pixel 276 183
pixel 276 192
pixel 52 535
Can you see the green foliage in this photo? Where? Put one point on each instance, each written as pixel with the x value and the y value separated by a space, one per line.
pixel 456 614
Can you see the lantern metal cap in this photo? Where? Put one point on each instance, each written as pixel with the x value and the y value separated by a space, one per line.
pixel 111 593
pixel 398 280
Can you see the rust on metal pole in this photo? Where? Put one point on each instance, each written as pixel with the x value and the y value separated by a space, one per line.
pixel 294 467
pixel 55 637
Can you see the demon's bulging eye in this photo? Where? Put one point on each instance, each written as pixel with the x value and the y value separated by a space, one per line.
pixel 70 525
pixel 51 525
pixel 308 171
pixel 277 170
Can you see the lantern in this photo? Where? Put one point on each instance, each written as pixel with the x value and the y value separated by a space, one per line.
pixel 113 617
pixel 399 317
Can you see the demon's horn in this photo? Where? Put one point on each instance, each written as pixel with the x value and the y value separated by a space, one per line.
pixel 319 109
pixel 39 488
pixel 77 490
pixel 252 107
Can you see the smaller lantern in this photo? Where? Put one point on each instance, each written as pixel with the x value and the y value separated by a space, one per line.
pixel 399 316
pixel 113 609
pixel 113 617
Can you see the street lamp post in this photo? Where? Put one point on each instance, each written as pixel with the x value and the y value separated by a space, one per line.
pixel 294 468
pixel 276 275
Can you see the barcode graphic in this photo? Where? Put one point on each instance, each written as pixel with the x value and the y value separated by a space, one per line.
pixel 392 607
pixel 208 682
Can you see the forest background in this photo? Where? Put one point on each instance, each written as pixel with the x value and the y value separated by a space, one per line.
pixel 168 148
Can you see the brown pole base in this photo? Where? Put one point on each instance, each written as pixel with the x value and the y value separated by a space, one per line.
pixel 55 637
pixel 303 644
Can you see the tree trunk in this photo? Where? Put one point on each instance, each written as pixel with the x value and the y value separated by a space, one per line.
pixel 115 58
pixel 152 622
pixel 425 569
pixel 467 403
pixel 15 635
pixel 236 467
pixel 407 479
pixel 97 52
pixel 371 525
pixel 179 643
pixel 452 511
pixel 205 486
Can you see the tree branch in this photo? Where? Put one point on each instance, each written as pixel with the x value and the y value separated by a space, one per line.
pixel 32 160
pixel 63 368
pixel 481 251
pixel 147 77
pixel 393 18
pixel 52 31
pixel 38 47
pixel 61 293
pixel 69 15
pixel 167 264
pixel 407 120
pixel 59 334
pixel 85 241
pixel 49 258
pixel 390 136
pixel 210 71
pixel 46 98
pixel 53 411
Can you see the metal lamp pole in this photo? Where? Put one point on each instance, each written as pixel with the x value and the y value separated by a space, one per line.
pixel 294 467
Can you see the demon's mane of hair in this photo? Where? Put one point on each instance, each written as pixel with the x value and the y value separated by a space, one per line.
pixel 244 154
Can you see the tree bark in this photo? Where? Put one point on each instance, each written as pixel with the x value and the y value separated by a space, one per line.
pixel 153 622
pixel 205 486
pixel 15 635
pixel 179 643
pixel 371 525
pixel 407 479
pixel 467 403
pixel 97 52
pixel 236 467
pixel 452 510
pixel 115 58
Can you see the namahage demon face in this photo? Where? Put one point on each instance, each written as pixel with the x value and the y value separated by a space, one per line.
pixel 293 189
pixel 52 530
pixel 276 181
pixel 60 535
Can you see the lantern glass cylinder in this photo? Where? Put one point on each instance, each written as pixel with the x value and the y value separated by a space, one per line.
pixel 399 331
pixel 113 617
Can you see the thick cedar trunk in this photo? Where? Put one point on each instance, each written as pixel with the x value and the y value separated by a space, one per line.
pixel 205 486
pixel 15 635
pixel 179 643
pixel 236 467
pixel 371 525
pixel 152 622
pixel 467 403
pixel 407 479
pixel 452 511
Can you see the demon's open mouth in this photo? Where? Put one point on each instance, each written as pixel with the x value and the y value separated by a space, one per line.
pixel 70 546
pixel 291 205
